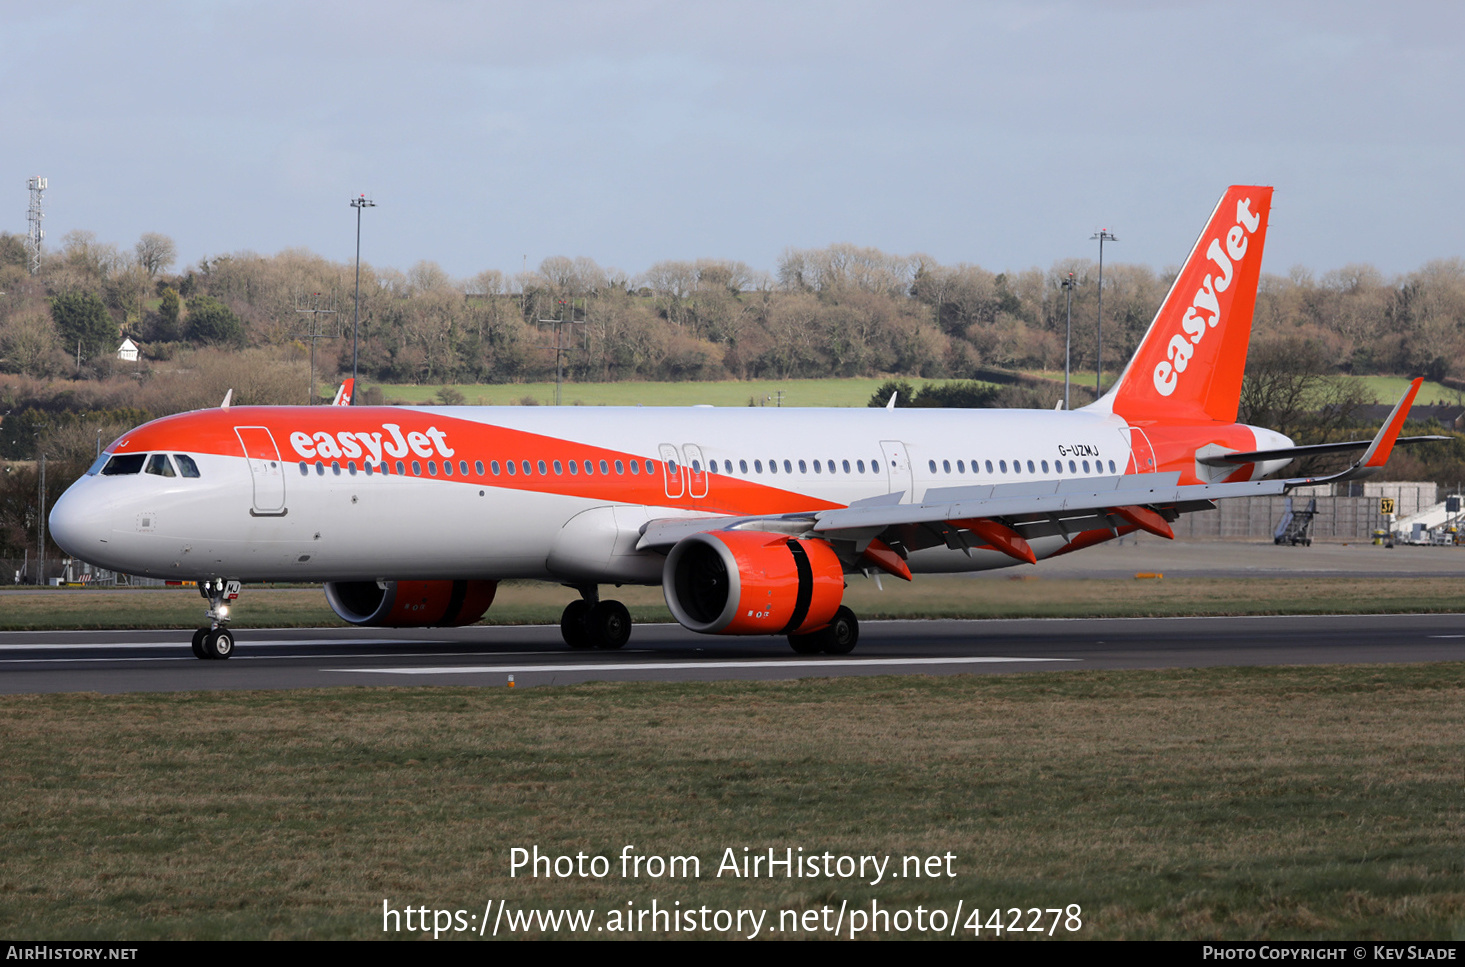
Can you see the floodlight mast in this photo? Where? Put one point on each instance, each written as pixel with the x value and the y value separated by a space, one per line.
pixel 357 203
pixel 1103 235
pixel 1068 285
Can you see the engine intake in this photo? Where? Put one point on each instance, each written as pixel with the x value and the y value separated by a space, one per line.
pixel 410 604
pixel 752 583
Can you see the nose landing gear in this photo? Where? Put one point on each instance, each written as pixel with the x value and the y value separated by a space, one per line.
pixel 216 641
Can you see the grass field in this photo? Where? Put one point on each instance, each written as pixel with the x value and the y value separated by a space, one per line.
pixel 991 596
pixel 1219 803
pixel 796 392
pixel 1384 389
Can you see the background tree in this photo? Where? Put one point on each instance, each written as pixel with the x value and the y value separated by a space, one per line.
pixel 210 321
pixel 28 344
pixel 1291 388
pixel 81 317
pixel 165 326
pixel 155 253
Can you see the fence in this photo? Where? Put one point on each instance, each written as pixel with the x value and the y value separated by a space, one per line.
pixel 1345 512
pixel 22 571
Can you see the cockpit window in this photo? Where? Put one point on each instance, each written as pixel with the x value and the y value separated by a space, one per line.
pixel 186 466
pixel 98 464
pixel 159 464
pixel 124 463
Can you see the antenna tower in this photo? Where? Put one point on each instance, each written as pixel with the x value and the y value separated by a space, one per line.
pixel 315 305
pixel 36 233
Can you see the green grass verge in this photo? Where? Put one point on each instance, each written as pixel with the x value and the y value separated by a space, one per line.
pixel 1237 803
pixel 930 596
pixel 796 392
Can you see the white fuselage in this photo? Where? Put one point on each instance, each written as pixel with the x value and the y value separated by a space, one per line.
pixel 316 514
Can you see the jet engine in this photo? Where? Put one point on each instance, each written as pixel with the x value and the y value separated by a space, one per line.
pixel 752 583
pixel 410 604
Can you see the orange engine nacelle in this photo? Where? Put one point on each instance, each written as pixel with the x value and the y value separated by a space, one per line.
pixel 752 583
pixel 410 604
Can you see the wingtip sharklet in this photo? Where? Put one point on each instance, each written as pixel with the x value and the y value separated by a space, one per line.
pixel 1379 451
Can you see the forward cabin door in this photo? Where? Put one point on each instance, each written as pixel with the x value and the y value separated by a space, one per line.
pixel 265 469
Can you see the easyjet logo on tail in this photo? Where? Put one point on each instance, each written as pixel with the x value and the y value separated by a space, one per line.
pixel 391 441
pixel 1204 312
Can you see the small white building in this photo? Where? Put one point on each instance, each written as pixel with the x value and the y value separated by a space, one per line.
pixel 127 351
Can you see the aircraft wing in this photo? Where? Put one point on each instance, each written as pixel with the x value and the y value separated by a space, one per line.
pixel 881 531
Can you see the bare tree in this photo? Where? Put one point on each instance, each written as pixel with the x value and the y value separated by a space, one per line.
pixel 155 252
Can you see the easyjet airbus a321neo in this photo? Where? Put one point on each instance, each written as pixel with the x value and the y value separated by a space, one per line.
pixel 749 519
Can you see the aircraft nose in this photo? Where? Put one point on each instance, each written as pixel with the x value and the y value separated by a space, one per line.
pixel 77 525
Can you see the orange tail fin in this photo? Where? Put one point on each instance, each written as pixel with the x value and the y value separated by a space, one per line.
pixel 1189 365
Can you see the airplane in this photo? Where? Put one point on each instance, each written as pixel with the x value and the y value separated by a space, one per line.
pixel 751 519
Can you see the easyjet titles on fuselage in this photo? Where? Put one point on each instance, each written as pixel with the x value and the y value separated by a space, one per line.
pixel 351 445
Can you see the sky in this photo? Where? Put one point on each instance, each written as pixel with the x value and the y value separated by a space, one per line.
pixel 491 136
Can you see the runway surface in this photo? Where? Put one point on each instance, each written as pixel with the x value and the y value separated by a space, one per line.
pixel 144 661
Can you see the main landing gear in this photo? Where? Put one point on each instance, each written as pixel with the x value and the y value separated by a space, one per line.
pixel 592 623
pixel 216 641
pixel 839 637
